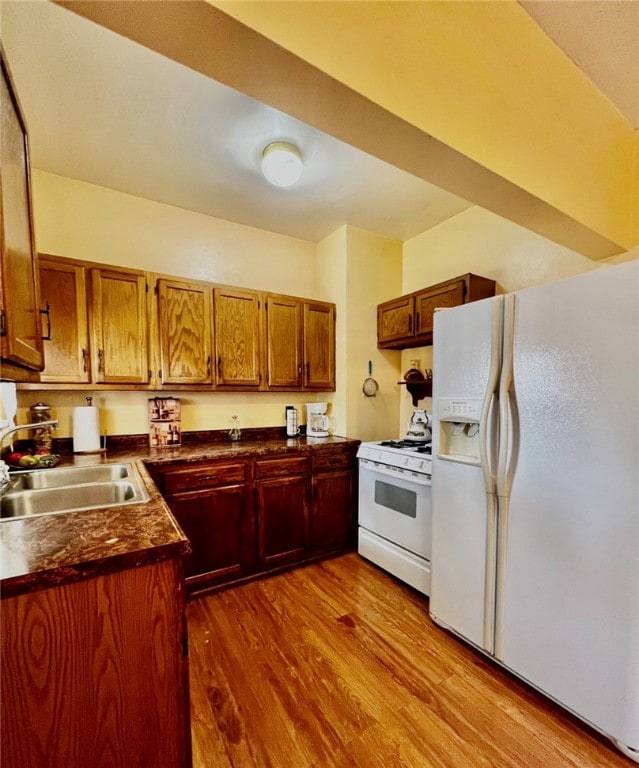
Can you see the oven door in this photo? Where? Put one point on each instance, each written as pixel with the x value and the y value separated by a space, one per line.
pixel 396 504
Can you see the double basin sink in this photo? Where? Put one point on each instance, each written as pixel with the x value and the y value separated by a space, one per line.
pixel 69 489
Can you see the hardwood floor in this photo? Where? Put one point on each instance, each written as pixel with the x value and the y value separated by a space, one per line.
pixel 336 664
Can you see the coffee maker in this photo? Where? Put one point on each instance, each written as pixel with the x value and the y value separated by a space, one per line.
pixel 316 420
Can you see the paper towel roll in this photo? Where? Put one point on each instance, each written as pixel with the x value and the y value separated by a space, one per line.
pixel 86 429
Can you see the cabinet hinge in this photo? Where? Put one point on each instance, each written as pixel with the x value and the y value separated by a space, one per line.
pixel 185 646
pixel 160 374
pixel 156 290
pixel 3 324
pixel 150 372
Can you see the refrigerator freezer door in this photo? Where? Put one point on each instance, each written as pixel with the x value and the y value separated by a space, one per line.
pixel 571 601
pixel 462 577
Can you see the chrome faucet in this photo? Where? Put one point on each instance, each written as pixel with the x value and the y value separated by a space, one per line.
pixel 4 433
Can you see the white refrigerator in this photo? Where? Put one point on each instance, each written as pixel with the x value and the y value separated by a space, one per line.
pixel 535 485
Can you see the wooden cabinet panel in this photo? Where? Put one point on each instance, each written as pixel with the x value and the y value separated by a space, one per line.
pixel 219 524
pixel 283 341
pixel 94 673
pixel 21 328
pixel 319 346
pixel 408 321
pixel 333 511
pixel 395 319
pixel 449 295
pixel 282 519
pixel 203 475
pixel 185 329
pixel 63 291
pixel 236 322
pixel 119 327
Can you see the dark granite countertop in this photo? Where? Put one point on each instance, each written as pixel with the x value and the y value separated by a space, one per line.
pixel 50 550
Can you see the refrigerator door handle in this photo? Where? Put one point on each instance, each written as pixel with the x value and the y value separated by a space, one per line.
pixel 492 386
pixel 508 422
pixel 508 448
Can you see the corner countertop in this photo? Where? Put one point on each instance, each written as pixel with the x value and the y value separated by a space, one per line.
pixel 50 550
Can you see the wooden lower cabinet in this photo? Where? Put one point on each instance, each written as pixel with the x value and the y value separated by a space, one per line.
pixel 96 673
pixel 219 524
pixel 282 491
pixel 261 514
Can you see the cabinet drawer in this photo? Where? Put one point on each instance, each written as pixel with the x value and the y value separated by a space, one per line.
pixel 204 476
pixel 328 460
pixel 280 467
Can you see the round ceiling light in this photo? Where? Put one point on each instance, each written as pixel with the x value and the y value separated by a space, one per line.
pixel 281 164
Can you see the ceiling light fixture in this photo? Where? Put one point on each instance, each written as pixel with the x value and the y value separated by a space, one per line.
pixel 281 163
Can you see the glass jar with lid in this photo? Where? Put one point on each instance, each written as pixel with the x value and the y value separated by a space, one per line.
pixel 42 437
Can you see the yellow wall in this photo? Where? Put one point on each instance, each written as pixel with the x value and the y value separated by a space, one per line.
pixel 84 221
pixel 483 79
pixel 485 244
pixel 373 275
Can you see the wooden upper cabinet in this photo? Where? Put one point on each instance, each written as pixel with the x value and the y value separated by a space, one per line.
pixel 319 345
pixel 119 348
pixel 408 320
pixel 66 344
pixel 395 320
pixel 283 341
pixel 185 331
pixel 20 323
pixel 448 295
pixel 237 337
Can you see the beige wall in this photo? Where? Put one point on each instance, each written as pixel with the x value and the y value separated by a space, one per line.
pixel 84 221
pixel 485 244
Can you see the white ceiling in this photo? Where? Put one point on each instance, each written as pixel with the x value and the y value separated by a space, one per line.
pixel 105 110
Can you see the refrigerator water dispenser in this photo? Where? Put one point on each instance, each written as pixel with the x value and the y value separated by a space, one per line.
pixel 458 424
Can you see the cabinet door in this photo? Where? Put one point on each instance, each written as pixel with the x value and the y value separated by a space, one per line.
pixel 282 519
pixel 333 509
pixel 21 328
pixel 237 345
pixel 66 344
pixel 319 345
pixel 186 331
pixel 119 329
pixel 447 295
pixel 395 320
pixel 219 524
pixel 283 341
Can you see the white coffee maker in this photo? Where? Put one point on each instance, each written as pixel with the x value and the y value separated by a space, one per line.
pixel 316 420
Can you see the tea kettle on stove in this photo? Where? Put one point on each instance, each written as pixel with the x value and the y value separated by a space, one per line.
pixel 419 427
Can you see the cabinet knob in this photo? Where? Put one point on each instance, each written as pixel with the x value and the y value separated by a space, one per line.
pixel 100 360
pixel 84 360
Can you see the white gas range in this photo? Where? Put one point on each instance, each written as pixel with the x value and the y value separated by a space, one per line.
pixel 395 510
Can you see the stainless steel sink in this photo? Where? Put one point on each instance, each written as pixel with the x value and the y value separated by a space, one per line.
pixel 64 476
pixel 53 491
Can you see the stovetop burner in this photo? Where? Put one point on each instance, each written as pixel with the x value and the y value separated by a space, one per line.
pixel 407 445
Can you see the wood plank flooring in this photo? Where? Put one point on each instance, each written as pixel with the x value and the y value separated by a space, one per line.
pixel 337 664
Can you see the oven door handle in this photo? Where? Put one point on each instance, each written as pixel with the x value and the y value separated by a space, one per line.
pixel 399 474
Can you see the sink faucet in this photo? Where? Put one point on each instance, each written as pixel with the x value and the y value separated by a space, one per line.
pixel 4 433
